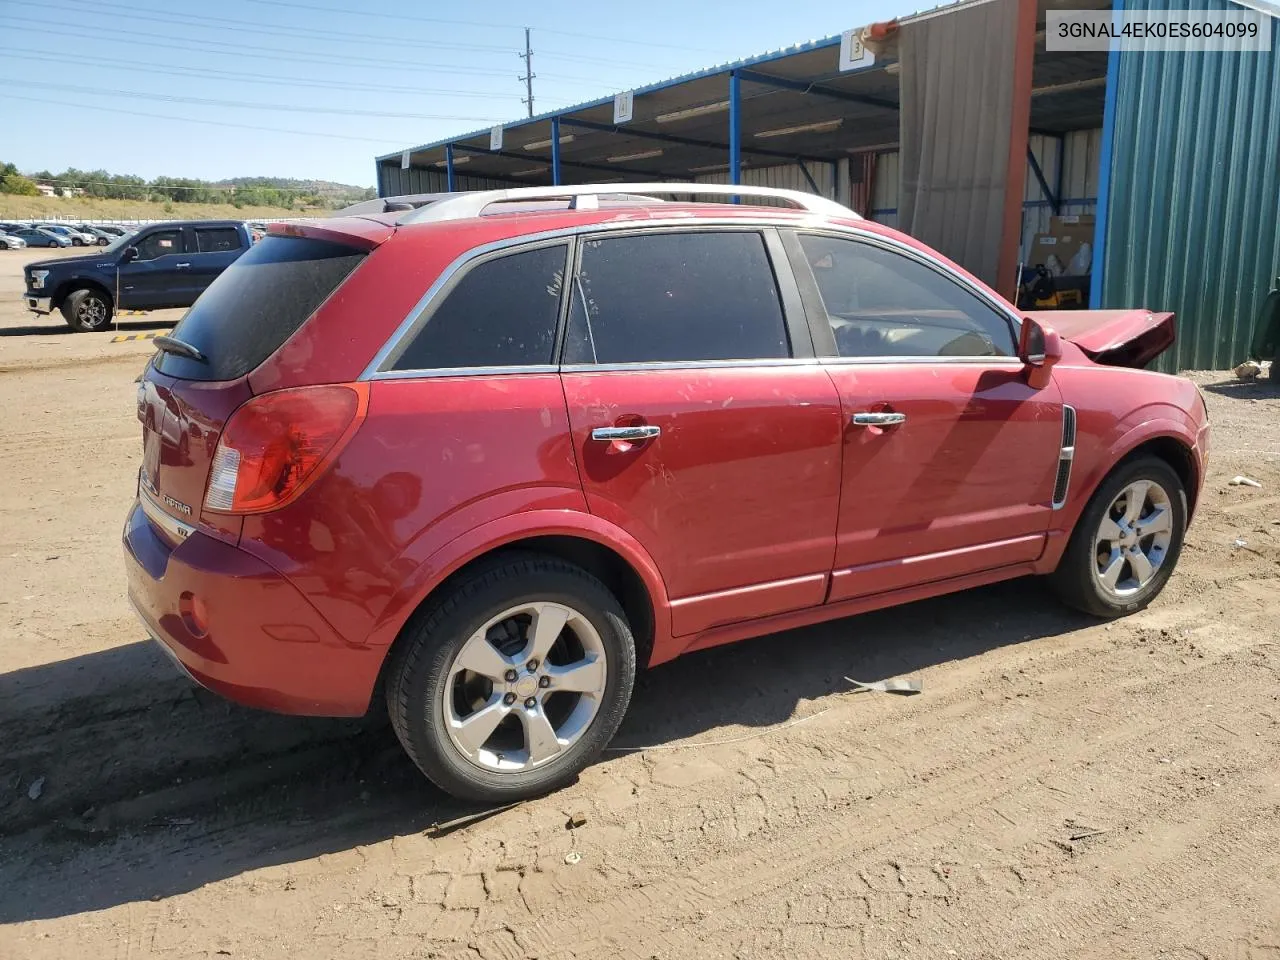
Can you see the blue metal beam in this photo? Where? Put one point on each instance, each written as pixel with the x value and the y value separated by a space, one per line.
pixel 1098 268
pixel 555 151
pixel 1044 184
pixel 816 89
pixel 448 167
pixel 735 129
pixel 540 158
pixel 630 131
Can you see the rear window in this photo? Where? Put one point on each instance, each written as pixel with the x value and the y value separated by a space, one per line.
pixel 215 239
pixel 256 304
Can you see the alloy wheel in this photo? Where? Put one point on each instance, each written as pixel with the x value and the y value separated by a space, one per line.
pixel 525 687
pixel 1133 539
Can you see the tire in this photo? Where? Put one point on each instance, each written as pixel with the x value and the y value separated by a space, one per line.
pixel 87 310
pixel 1080 580
pixel 429 692
pixel 77 242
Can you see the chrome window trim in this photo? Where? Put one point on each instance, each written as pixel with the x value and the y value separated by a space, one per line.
pixel 810 224
pixel 1012 363
pixel 446 372
pixel 686 365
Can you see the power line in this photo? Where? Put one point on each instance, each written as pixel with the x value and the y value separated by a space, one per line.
pixel 249 105
pixel 473 23
pixel 259 79
pixel 242 50
pixel 214 23
pixel 210 123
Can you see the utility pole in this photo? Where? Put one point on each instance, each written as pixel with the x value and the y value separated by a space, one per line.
pixel 527 57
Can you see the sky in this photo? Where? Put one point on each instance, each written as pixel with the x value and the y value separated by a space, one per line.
pixel 315 89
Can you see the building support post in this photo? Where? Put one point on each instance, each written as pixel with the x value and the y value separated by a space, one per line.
pixel 555 151
pixel 448 167
pixel 1098 269
pixel 1019 141
pixel 735 130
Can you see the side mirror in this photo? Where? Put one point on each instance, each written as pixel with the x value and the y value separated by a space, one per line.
pixel 1039 348
pixel 130 254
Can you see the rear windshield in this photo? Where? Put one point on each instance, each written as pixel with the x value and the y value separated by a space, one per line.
pixel 256 304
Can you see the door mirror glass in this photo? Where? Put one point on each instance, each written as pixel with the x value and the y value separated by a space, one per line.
pixel 130 254
pixel 1031 343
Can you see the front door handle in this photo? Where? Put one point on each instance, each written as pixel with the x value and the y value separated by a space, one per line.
pixel 645 431
pixel 183 266
pixel 878 419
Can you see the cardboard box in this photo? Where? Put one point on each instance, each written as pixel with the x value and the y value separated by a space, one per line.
pixel 1075 225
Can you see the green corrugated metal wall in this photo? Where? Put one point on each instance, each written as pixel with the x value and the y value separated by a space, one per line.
pixel 1194 217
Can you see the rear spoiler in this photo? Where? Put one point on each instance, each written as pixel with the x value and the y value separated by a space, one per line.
pixel 348 231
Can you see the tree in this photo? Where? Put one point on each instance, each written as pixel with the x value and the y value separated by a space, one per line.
pixel 20 185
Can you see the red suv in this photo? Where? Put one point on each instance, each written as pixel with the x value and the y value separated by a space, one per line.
pixel 488 452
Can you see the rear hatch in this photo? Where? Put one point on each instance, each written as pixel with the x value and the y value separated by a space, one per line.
pixel 244 316
pixel 1117 338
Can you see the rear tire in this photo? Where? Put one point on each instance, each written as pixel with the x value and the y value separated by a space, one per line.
pixel 87 310
pixel 538 706
pixel 1126 542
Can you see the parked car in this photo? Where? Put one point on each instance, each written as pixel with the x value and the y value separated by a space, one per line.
pixel 100 236
pixel 77 238
pixel 113 229
pixel 10 242
pixel 164 265
pixel 40 237
pixel 487 465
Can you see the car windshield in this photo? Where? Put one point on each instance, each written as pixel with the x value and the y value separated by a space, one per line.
pixel 118 243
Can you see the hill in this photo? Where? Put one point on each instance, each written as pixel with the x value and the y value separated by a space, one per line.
pixel 94 208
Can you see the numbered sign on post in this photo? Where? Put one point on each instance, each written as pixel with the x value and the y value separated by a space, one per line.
pixel 622 106
pixel 854 54
pixel 495 138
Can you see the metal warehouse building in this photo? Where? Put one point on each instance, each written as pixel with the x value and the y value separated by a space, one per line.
pixel 959 127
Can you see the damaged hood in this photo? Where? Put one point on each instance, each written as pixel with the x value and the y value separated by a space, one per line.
pixel 1117 338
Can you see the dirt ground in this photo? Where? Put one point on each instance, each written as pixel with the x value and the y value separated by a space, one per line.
pixel 1062 788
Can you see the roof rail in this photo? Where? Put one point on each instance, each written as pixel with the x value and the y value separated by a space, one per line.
pixel 586 196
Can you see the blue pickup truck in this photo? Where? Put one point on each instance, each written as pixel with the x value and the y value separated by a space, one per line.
pixel 161 266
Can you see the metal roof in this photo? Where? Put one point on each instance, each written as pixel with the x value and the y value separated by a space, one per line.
pixel 797 106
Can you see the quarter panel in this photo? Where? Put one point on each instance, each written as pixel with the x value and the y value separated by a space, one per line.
pixel 434 458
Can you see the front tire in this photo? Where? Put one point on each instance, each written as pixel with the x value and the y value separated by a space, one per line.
pixel 509 685
pixel 1127 542
pixel 87 310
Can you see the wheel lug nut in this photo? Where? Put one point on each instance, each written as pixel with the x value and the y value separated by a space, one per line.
pixel 532 665
pixel 530 702
pixel 511 676
pixel 509 699
pixel 544 681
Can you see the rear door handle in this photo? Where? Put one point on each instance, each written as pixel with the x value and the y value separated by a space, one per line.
pixel 183 266
pixel 878 419
pixel 643 432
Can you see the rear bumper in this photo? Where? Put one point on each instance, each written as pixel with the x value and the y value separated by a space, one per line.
pixel 39 304
pixel 264 645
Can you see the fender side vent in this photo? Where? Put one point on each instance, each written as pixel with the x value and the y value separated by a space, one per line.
pixel 1065 456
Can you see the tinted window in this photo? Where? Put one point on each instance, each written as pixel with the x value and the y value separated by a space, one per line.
pixel 884 304
pixel 256 304
pixel 213 239
pixel 675 296
pixel 502 313
pixel 159 244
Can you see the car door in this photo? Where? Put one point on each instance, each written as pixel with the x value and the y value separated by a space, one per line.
pixel 210 251
pixel 147 281
pixel 949 456
pixel 702 424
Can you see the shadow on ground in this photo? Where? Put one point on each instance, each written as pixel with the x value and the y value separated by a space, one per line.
pixel 152 788
pixel 141 325
pixel 1261 389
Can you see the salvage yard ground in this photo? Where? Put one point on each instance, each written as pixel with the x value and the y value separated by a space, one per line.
pixel 1062 788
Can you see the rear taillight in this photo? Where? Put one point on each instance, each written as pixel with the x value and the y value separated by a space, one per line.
pixel 277 444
